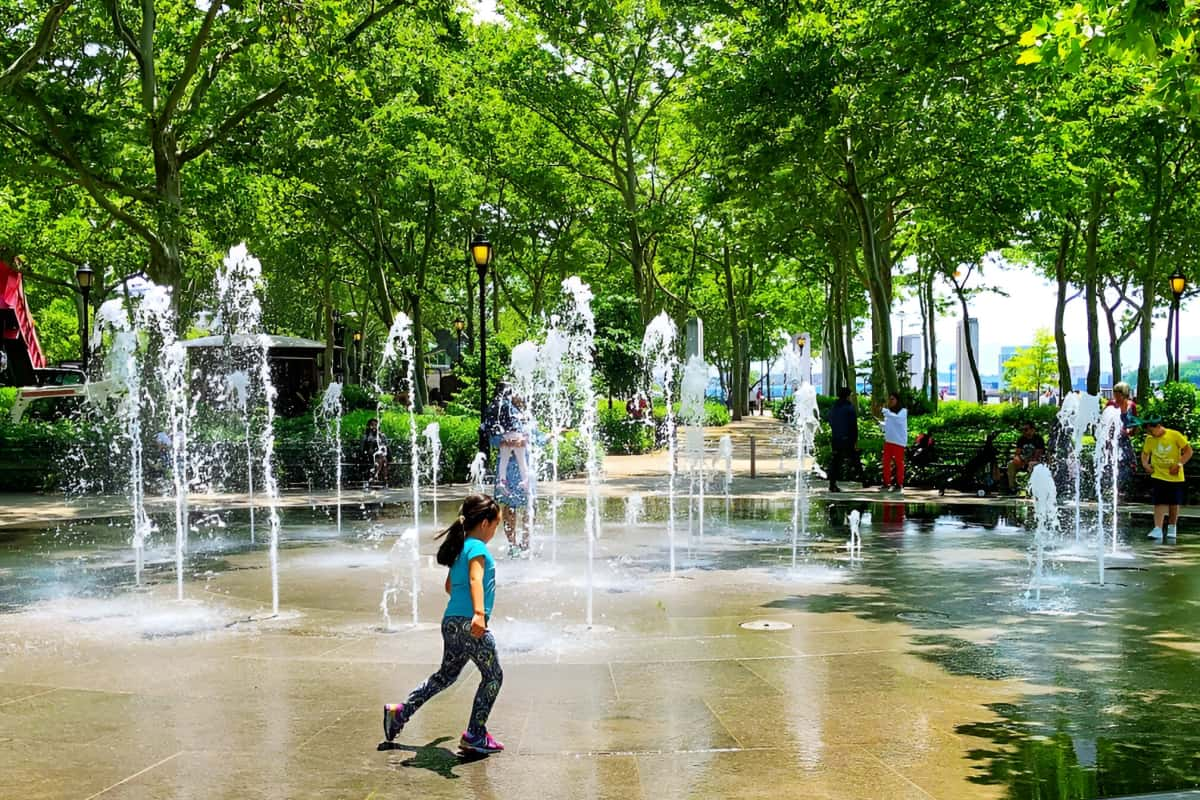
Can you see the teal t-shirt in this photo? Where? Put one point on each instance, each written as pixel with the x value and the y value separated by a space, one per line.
pixel 460 580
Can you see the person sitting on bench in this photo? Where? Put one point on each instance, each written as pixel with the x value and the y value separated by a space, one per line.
pixel 1028 451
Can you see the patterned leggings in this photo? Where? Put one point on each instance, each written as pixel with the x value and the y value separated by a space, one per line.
pixel 458 647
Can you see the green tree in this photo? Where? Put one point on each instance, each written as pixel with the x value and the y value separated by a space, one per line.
pixel 1033 367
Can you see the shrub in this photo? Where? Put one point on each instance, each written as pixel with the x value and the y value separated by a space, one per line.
pixel 716 414
pixel 356 398
pixel 1178 409
pixel 623 435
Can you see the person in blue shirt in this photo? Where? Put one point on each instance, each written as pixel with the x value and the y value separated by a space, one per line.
pixel 471 585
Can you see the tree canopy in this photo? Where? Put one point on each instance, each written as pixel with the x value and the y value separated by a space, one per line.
pixel 767 167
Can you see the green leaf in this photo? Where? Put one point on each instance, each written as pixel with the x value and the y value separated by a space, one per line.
pixel 1032 55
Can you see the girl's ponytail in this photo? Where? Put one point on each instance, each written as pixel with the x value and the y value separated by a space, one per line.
pixel 476 508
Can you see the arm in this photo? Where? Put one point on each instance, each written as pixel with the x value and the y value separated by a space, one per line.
pixel 479 620
pixel 447 583
pixel 1185 455
pixel 1146 460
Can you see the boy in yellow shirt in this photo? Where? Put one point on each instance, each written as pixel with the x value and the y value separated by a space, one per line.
pixel 1163 456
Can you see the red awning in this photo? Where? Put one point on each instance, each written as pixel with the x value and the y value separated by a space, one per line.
pixel 12 297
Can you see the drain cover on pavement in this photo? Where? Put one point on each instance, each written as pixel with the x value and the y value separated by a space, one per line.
pixel 766 625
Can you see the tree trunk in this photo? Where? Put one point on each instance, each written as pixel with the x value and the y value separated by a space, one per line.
pixel 877 287
pixel 330 344
pixel 1091 278
pixel 1065 384
pixel 166 264
pixel 1149 275
pixel 1114 342
pixel 738 389
pixel 931 339
pixel 1145 330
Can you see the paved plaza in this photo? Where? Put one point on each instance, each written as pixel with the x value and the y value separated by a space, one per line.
pixel 915 670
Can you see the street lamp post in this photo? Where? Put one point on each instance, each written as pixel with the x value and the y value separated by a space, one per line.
pixel 83 278
pixel 458 329
pixel 1178 284
pixel 481 254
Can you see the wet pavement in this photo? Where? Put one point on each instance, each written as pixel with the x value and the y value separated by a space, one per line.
pixel 915 669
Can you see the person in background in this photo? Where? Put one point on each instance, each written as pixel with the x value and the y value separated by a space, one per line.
pixel 843 426
pixel 1163 455
pixel 1126 460
pixel 514 481
pixel 1028 451
pixel 895 442
pixel 374 451
pixel 759 398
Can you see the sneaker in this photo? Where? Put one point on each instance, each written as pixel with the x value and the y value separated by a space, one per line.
pixel 1155 534
pixel 480 744
pixel 1171 533
pixel 391 720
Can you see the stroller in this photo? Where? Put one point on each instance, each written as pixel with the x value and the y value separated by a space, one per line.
pixel 978 475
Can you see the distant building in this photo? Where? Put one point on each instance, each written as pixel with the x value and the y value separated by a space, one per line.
pixel 966 382
pixel 1006 353
pixel 915 347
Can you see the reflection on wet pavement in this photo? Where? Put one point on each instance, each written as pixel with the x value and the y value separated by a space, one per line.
pixel 919 669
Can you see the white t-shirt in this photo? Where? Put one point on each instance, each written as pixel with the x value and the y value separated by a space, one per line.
pixel 895 427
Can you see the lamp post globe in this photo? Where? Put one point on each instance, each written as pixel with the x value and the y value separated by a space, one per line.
pixel 84 277
pixel 1178 283
pixel 481 255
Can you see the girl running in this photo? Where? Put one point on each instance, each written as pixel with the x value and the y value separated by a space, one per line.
pixel 471 585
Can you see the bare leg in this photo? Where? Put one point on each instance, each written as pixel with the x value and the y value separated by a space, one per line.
pixel 1173 519
pixel 510 524
pixel 1160 513
pixel 502 464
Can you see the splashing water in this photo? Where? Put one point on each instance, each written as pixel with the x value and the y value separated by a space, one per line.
pixel 124 368
pixel 691 409
pixel 1045 509
pixel 550 366
pixel 399 347
pixel 433 441
pixel 1079 413
pixel 330 415
pixel 237 385
pixel 477 473
pixel 1107 459
pixel 239 318
pixel 854 543
pixel 658 349
pixel 633 509
pixel 805 422
pixel 156 315
pixel 581 327
pixel 525 365
pixel 725 451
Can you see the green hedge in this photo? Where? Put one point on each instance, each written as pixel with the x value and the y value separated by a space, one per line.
pixel 623 435
pixel 716 415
